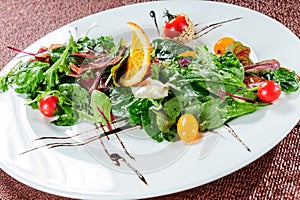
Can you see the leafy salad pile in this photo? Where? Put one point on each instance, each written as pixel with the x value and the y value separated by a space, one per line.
pixel 83 76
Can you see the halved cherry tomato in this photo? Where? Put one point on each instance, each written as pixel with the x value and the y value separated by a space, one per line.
pixel 188 128
pixel 221 45
pixel 48 105
pixel 269 91
pixel 175 26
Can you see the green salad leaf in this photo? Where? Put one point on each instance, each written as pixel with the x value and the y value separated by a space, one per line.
pixel 52 75
pixel 167 49
pixel 101 107
pixel 288 80
pixel 210 87
pixel 28 78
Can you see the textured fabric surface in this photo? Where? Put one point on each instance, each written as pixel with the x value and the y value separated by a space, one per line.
pixel 273 176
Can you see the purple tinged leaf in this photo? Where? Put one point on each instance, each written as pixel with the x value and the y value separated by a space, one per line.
pixel 184 62
pixel 263 67
pixel 222 93
pixel 101 108
pixel 21 51
pixel 108 123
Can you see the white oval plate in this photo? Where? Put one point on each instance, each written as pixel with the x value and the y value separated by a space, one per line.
pixel 78 172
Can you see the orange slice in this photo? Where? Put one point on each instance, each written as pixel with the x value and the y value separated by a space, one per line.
pixel 138 61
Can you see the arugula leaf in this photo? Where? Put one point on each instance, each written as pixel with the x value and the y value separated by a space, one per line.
pixel 60 66
pixel 9 78
pixel 28 78
pixel 64 120
pixel 100 44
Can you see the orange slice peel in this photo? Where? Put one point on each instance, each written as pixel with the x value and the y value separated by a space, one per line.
pixel 139 59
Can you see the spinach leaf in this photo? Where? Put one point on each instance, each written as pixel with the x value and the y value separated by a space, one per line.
pixel 209 79
pixel 231 64
pixel 120 98
pixel 163 122
pixel 136 108
pixel 172 108
pixel 206 73
pixel 213 114
pixel 155 70
pixel 204 59
pixel 148 119
pixel 166 49
pixel 159 129
pixel 248 94
pixel 288 80
pixel 78 95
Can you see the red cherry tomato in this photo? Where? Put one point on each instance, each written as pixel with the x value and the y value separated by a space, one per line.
pixel 48 105
pixel 269 91
pixel 175 26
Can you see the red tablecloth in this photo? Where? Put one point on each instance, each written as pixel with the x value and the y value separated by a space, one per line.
pixel 276 175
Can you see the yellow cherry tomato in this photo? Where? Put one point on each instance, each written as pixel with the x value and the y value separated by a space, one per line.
pixel 188 128
pixel 221 44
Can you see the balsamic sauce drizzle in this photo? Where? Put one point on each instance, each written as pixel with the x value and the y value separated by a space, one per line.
pixel 75 135
pixel 153 15
pixel 213 26
pixel 232 132
pixel 116 158
pixel 199 33
pixel 120 141
pixel 87 141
